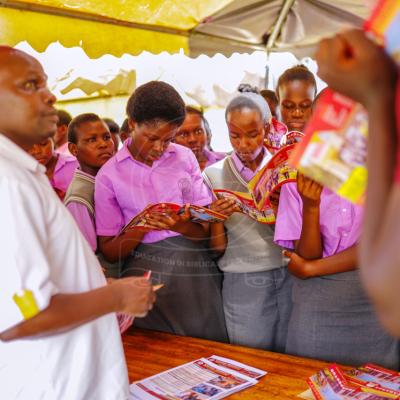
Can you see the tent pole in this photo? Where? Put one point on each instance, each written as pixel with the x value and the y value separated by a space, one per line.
pixel 287 5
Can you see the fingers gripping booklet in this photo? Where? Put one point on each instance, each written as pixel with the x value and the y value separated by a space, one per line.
pixel 203 379
pixel 197 214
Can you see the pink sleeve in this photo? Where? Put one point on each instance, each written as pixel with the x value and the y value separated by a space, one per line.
pixel 200 193
pixel 289 220
pixel 397 172
pixel 109 217
pixel 85 222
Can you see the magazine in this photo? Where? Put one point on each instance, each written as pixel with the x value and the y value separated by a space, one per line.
pixel 246 205
pixel 384 25
pixel 197 380
pixel 272 176
pixel 330 384
pixel 371 376
pixel 198 214
pixel 273 138
pixel 334 149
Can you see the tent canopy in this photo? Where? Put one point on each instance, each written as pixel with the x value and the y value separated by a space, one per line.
pixel 198 27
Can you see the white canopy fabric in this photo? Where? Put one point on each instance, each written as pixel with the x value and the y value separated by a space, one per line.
pixel 281 25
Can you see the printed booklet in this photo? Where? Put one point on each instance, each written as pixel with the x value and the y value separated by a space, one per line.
pixel 198 214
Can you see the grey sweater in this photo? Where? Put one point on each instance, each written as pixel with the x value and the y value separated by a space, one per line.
pixel 250 244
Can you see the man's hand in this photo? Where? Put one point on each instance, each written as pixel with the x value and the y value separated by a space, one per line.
pixel 355 66
pixel 135 296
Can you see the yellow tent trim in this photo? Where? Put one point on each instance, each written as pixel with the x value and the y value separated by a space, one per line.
pixel 96 38
pixel 179 14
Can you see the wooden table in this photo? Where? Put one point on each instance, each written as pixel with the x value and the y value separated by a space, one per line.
pixel 148 353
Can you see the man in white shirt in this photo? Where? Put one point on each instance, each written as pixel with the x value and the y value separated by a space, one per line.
pixel 59 337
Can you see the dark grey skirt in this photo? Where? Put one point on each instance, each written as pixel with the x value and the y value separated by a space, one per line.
pixel 333 320
pixel 190 303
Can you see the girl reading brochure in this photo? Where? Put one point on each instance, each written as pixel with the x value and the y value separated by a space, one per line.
pixel 332 318
pixel 149 169
pixel 256 287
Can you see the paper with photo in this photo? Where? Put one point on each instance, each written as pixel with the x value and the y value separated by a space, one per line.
pixel 197 380
pixel 247 206
pixel 243 369
pixel 272 176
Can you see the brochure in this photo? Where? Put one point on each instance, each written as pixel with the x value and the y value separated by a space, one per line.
pixel 272 176
pixel 273 138
pixel 334 149
pixel 246 205
pixel 198 214
pixel 243 369
pixel 371 376
pixel 197 380
pixel 330 384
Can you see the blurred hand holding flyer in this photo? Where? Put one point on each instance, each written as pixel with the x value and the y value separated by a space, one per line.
pixel 206 378
pixel 333 152
pixel 197 214
pixel 369 382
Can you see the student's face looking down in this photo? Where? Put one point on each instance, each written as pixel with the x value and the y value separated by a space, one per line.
pixel 151 139
pixel 296 101
pixel 27 108
pixel 43 152
pixel 94 145
pixel 246 133
pixel 192 134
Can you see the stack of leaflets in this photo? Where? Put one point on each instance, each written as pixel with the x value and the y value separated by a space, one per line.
pixel 334 150
pixel 203 379
pixel 369 382
pixel 198 214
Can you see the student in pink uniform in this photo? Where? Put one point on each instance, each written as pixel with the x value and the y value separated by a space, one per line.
pixel 151 169
pixel 90 141
pixel 60 168
pixel 192 134
pixel 60 137
pixel 257 286
pixel 330 308
pixel 353 65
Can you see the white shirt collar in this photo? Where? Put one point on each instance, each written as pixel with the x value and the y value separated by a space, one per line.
pixel 13 152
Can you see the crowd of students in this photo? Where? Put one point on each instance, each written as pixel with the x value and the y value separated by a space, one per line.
pixel 226 281
pixel 223 281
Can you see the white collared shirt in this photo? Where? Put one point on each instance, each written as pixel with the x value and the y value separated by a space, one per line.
pixel 43 251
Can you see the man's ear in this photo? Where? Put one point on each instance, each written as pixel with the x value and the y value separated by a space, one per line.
pixel 73 149
pixel 132 124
